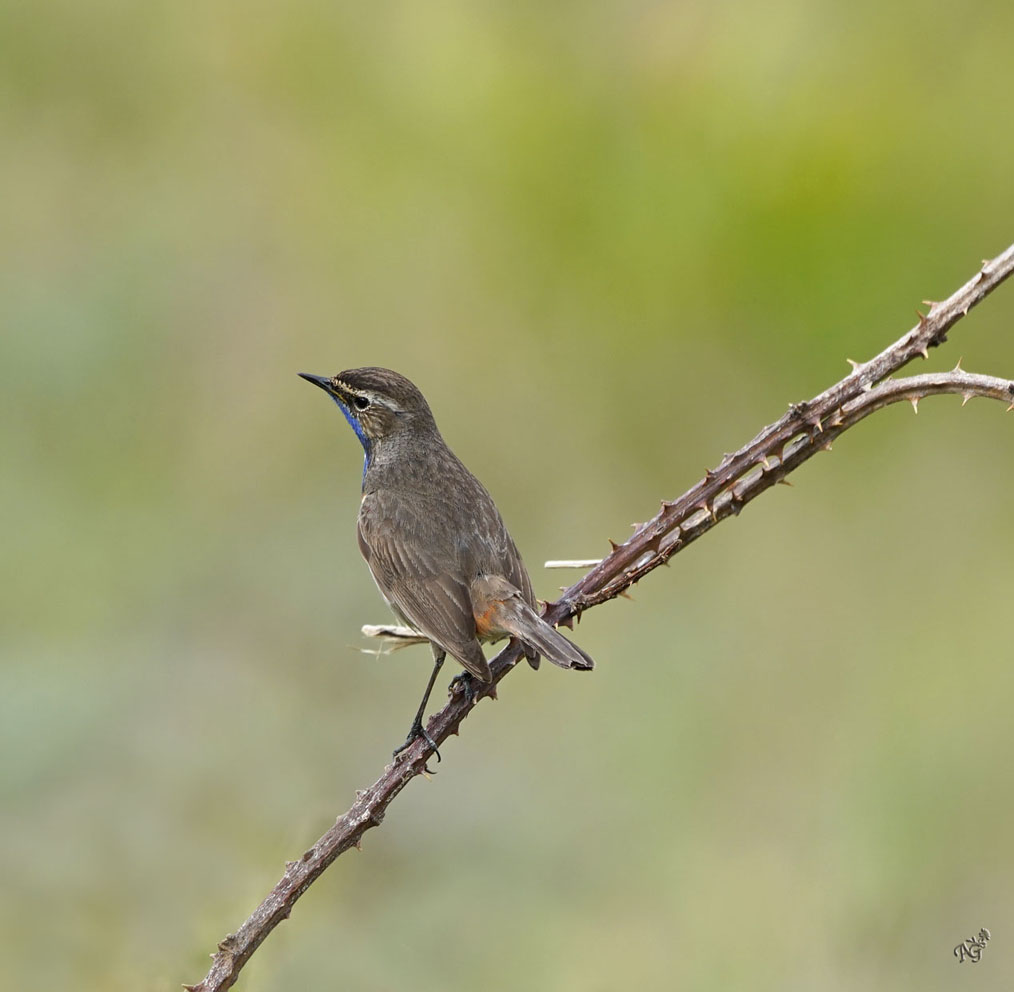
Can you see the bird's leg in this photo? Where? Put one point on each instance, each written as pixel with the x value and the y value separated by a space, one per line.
pixel 417 730
pixel 465 681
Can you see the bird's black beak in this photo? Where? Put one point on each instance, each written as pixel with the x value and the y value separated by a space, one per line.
pixel 324 381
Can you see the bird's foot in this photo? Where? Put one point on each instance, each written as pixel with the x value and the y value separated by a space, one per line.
pixel 416 731
pixel 464 680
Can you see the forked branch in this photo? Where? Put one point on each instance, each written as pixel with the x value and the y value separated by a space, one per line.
pixel 807 428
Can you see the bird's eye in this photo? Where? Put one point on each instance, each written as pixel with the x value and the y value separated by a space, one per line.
pixel 361 402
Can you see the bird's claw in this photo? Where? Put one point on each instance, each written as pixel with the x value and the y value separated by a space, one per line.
pixel 416 731
pixel 465 681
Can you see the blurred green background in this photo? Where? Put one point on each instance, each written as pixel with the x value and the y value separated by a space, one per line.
pixel 609 242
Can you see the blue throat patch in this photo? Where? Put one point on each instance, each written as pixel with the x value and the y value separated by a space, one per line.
pixel 360 433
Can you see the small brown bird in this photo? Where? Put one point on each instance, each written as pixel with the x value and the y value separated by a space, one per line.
pixel 433 538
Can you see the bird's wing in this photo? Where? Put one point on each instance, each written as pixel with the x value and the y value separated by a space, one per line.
pixel 496 549
pixel 413 582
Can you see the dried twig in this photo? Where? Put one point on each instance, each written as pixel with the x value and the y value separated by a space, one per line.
pixel 807 428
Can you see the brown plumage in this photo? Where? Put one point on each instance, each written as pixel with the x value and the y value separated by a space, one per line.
pixel 432 536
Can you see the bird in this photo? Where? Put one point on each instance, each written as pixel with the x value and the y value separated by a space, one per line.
pixel 433 538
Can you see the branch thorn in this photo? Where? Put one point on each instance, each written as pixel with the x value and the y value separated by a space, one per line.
pixel 710 510
pixel 914 400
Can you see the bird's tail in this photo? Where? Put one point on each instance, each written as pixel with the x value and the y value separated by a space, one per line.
pixel 531 629
pixel 506 612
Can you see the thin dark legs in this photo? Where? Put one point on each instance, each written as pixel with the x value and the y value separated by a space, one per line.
pixel 417 729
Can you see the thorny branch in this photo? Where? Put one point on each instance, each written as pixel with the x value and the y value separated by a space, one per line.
pixel 741 476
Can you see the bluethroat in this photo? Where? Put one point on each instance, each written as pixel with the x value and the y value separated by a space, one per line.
pixel 433 538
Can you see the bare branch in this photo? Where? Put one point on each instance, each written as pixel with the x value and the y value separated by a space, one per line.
pixel 724 489
pixel 807 428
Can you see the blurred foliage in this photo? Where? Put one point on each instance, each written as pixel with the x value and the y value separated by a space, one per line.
pixel 609 241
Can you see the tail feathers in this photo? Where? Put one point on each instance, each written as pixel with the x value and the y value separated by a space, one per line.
pixel 522 622
pixel 500 609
